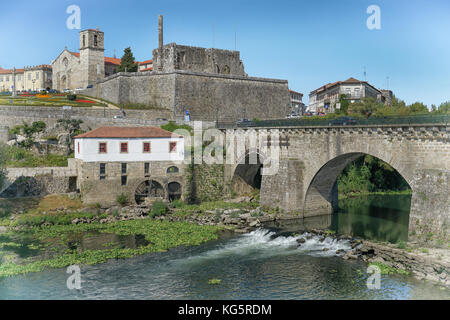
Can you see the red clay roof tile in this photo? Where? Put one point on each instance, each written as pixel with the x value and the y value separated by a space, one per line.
pixel 128 132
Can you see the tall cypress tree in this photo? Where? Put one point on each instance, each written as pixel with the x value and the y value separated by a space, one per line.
pixel 127 63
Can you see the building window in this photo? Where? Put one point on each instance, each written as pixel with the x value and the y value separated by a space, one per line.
pixel 124 168
pixel 124 180
pixel 172 169
pixel 146 168
pixel 124 147
pixel 1 79
pixel 102 168
pixel 84 40
pixel 29 76
pixel 172 147
pixel 95 40
pixel 7 78
pixel 78 145
pixel 37 75
pixel 102 147
pixel 146 147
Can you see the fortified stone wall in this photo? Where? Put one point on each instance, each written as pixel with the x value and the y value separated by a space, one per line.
pixel 204 95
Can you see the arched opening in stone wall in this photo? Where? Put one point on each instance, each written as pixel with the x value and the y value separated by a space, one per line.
pixel 149 189
pixel 247 176
pixel 367 197
pixel 174 189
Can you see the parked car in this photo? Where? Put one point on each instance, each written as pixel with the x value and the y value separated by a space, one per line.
pixel 161 119
pixel 78 89
pixel 293 116
pixel 243 121
pixel 118 117
pixel 66 90
pixel 89 86
pixel 321 114
pixel 342 121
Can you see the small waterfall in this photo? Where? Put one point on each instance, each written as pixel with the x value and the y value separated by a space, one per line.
pixel 263 243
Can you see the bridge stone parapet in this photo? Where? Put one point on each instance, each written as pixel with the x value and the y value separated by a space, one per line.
pixel 311 159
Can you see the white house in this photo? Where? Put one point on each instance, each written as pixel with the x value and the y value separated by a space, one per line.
pixel 129 144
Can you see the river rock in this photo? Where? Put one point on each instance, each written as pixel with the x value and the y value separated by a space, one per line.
pixel 301 240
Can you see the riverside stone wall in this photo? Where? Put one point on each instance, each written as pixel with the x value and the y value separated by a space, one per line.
pixel 26 182
pixel 209 182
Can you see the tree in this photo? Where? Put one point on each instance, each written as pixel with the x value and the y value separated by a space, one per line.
pixel 127 64
pixel 365 107
pixel 418 107
pixel 344 104
pixel 444 107
pixel 28 132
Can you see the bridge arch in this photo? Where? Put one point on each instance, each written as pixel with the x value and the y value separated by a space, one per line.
pixel 321 196
pixel 247 173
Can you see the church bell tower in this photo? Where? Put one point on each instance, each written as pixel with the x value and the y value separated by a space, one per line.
pixel 92 56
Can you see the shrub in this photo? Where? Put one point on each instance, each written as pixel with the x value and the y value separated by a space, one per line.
pixel 401 245
pixel 178 203
pixel 159 208
pixel 122 199
pixel 71 97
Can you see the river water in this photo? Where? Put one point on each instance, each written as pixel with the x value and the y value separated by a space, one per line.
pixel 264 264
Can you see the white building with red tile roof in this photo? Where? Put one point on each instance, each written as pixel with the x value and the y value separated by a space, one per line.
pixel 125 144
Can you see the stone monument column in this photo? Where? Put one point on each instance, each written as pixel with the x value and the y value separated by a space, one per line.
pixel 14 82
pixel 160 42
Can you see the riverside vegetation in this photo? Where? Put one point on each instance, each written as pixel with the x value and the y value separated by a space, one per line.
pixel 48 233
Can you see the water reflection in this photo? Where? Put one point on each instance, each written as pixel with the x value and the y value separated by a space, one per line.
pixel 383 218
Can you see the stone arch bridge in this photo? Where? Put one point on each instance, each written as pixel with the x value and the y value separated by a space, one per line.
pixel 311 158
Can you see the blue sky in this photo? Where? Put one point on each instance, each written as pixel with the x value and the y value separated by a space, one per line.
pixel 309 43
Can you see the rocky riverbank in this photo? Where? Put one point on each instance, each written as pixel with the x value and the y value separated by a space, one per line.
pixel 424 264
